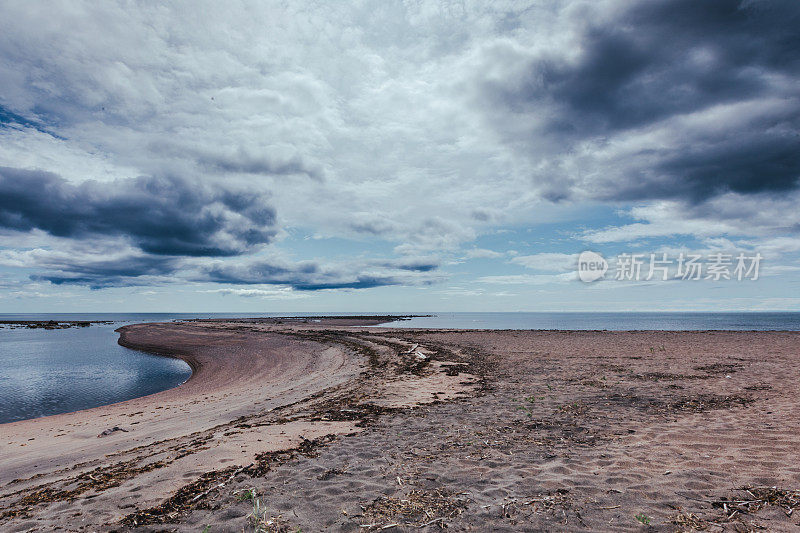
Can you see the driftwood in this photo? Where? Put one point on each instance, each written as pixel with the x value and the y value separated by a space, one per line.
pixel 109 431
pixel 219 486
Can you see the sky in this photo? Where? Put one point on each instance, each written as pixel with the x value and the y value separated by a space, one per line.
pixel 394 156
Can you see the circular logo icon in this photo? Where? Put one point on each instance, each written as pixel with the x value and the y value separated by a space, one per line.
pixel 591 266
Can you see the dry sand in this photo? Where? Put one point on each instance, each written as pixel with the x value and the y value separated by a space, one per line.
pixel 346 428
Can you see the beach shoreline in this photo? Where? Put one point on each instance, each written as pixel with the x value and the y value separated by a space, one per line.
pixel 542 429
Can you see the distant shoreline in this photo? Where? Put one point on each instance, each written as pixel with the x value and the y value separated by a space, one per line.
pixel 52 324
pixel 361 320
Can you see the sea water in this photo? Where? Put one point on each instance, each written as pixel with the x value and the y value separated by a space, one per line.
pixel 46 372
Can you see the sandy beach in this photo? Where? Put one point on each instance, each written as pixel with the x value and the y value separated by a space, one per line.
pixel 340 425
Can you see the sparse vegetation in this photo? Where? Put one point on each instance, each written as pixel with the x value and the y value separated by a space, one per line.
pixel 259 516
pixel 531 400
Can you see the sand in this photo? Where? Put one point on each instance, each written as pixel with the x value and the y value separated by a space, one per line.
pixel 344 428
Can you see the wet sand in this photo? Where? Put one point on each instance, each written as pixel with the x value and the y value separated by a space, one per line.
pixel 343 428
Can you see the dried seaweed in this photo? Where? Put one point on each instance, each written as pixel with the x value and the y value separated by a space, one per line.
pixel 690 522
pixel 756 498
pixel 193 495
pixel 97 480
pixel 708 402
pixel 417 507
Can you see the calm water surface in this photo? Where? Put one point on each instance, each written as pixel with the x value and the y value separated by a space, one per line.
pixel 45 372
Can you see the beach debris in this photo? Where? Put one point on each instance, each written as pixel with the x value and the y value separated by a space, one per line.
pixel 692 404
pixel 706 402
pixel 328 474
pixel 758 498
pixel 557 504
pixel 548 501
pixel 690 522
pixel 758 387
pixel 416 352
pixel 749 501
pixel 720 368
pixel 184 499
pixel 97 480
pixel 109 431
pixel 417 507
pixel 414 360
pixel 220 485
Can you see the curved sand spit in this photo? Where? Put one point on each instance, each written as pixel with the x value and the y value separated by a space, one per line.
pixel 247 380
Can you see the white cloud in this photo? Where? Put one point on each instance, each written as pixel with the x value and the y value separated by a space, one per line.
pixel 731 215
pixel 529 279
pixel 482 253
pixel 268 293
pixel 548 261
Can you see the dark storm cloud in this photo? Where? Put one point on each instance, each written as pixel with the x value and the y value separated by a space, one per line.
pixel 666 58
pixel 645 66
pixel 413 265
pixel 126 271
pixel 241 160
pixel 248 164
pixel 170 221
pixel 750 163
pixel 311 276
pixel 133 270
pixel 362 282
pixel 161 216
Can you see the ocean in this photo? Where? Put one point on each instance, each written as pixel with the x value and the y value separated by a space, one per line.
pixel 779 321
pixel 46 372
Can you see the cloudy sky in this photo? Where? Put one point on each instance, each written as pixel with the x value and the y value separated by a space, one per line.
pixel 394 156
